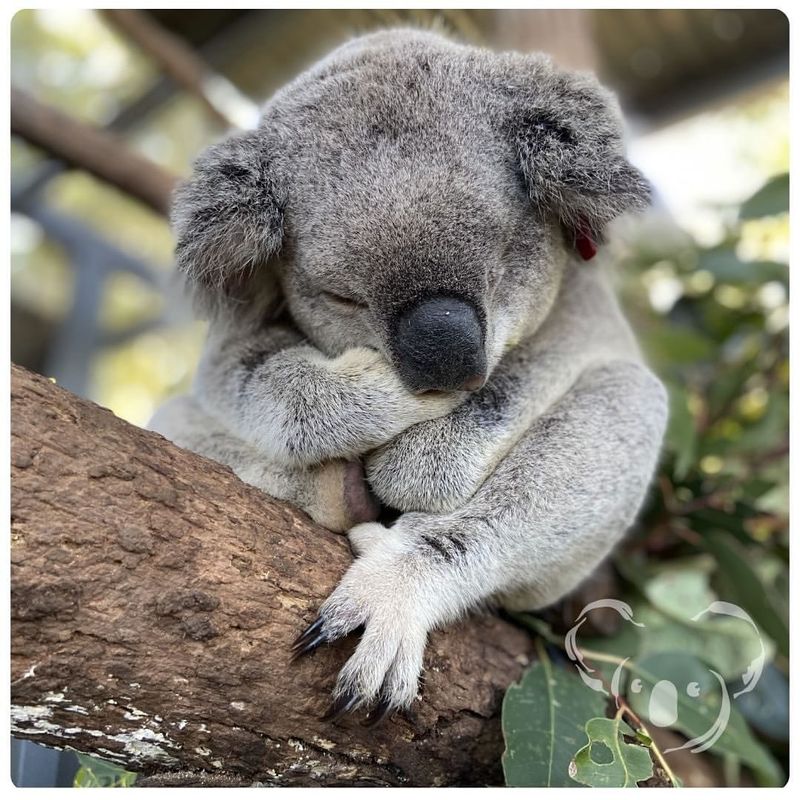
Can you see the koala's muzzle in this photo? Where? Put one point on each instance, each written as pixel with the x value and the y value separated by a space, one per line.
pixel 438 345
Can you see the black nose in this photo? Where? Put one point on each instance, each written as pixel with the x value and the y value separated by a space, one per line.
pixel 438 344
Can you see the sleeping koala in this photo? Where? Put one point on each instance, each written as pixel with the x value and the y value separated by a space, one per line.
pixel 401 317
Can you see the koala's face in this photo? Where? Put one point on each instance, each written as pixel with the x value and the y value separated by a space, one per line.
pixel 414 196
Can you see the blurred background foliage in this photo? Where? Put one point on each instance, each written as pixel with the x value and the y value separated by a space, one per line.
pixel 94 773
pixel 704 278
pixel 713 320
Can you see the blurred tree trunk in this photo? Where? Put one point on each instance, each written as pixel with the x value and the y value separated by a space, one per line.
pixel 154 600
pixel 566 34
pixel 32 337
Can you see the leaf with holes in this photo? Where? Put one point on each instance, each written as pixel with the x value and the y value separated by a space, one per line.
pixel 544 718
pixel 608 760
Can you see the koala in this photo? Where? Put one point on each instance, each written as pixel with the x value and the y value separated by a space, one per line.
pixel 404 327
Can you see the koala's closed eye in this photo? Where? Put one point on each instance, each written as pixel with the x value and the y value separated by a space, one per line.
pixel 343 302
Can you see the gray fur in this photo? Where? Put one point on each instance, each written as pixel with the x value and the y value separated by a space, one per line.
pixel 403 167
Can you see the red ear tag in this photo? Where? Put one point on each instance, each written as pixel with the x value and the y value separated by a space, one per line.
pixel 585 245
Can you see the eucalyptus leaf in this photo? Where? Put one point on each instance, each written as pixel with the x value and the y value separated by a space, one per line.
pixel 766 708
pixel 675 621
pixel 94 773
pixel 678 345
pixel 772 198
pixel 679 691
pixel 743 585
pixel 706 519
pixel 544 718
pixel 728 386
pixel 729 646
pixel 629 763
pixel 727 267
pixel 680 593
pixel 770 430
pixel 681 434
pixel 755 488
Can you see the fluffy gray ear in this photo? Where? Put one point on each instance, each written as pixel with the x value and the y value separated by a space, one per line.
pixel 568 135
pixel 228 217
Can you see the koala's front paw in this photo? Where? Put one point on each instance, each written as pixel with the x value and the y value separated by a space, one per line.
pixel 380 381
pixel 379 593
pixel 434 467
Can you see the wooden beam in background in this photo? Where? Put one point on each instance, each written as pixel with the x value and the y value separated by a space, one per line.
pixel 185 66
pixel 103 154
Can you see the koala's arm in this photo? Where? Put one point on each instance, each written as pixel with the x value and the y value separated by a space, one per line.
pixel 298 407
pixel 547 515
pixel 334 494
pixel 438 465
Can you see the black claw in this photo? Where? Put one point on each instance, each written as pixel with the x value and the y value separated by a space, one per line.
pixel 341 706
pixel 378 714
pixel 308 647
pixel 308 634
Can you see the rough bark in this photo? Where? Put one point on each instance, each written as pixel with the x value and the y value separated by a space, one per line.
pixel 154 599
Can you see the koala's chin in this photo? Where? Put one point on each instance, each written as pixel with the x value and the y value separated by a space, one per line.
pixel 403 323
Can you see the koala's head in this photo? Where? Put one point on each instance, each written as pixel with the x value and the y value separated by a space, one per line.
pixel 412 195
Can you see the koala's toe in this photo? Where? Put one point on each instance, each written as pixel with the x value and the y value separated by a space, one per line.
pixel 384 669
pixel 341 705
pixel 377 595
pixel 310 639
pixel 401 684
pixel 365 537
pixel 378 714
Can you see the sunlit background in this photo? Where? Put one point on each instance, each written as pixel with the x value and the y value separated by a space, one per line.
pixel 704 276
pixel 711 143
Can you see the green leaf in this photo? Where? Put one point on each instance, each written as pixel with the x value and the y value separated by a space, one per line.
pixel 544 718
pixel 706 519
pixel 727 644
pixel 681 434
pixel 766 708
pixel 629 763
pixel 770 430
pixel 94 772
pixel 677 345
pixel 680 593
pixel 677 592
pixel 744 586
pixel 755 488
pixel 728 385
pixel 696 708
pixel 727 267
pixel 771 198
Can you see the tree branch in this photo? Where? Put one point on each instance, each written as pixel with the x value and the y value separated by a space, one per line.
pixel 178 60
pixel 154 599
pixel 101 153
